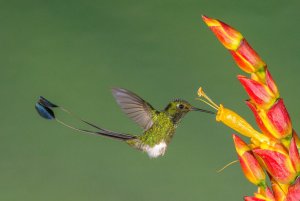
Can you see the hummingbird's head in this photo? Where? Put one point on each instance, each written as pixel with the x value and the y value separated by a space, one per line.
pixel 178 108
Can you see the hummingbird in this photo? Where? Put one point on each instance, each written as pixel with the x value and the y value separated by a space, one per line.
pixel 158 126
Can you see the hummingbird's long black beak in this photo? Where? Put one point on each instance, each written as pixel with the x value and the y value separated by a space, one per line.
pixel 202 110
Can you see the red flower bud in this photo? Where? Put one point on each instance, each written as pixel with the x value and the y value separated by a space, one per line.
pixel 277 162
pixel 294 155
pixel 259 93
pixel 275 121
pixel 250 166
pixel 227 35
pixel 279 118
pixel 258 119
pixel 271 84
pixel 264 194
pixel 246 58
pixel 294 191
pixel 247 198
pixel 279 190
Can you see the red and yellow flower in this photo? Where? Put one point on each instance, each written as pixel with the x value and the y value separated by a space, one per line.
pixel 274 150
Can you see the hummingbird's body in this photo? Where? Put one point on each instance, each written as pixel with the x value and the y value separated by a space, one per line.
pixel 154 141
pixel 159 126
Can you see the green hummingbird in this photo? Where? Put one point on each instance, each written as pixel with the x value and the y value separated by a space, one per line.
pixel 158 126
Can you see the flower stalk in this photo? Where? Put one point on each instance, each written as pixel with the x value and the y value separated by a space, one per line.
pixel 272 152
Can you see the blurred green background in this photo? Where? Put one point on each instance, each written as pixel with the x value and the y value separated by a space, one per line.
pixel 73 52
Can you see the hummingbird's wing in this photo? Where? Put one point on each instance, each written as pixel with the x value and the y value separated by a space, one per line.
pixel 135 107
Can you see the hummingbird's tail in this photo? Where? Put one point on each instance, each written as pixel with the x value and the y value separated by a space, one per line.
pixel 45 110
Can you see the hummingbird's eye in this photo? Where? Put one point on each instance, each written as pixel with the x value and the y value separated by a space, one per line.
pixel 180 106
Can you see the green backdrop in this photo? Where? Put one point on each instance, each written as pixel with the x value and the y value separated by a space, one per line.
pixel 73 52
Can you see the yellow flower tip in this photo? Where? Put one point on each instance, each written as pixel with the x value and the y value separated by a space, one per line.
pixel 210 21
pixel 240 146
pixel 226 34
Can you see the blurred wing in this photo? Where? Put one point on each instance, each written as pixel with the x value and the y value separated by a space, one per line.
pixel 136 108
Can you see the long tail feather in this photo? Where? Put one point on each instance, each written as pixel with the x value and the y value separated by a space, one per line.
pixel 45 110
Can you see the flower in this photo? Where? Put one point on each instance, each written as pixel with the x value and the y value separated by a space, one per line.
pixel 274 150
pixel 258 92
pixel 228 36
pixel 262 194
pixel 294 155
pixel 279 190
pixel 294 191
pixel 277 162
pixel 244 55
pixel 250 166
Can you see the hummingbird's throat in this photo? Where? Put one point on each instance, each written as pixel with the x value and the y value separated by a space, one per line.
pixel 177 117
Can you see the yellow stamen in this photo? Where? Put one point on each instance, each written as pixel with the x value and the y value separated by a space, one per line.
pixel 204 101
pixel 202 94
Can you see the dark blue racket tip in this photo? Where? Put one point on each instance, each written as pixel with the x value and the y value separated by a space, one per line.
pixel 44 102
pixel 44 112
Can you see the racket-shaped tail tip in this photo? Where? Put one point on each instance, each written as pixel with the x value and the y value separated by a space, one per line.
pixel 43 101
pixel 43 107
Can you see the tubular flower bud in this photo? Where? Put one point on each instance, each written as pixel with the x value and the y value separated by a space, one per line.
pixel 244 55
pixel 228 36
pixel 294 191
pixel 259 93
pixel 236 122
pixel 275 121
pixel 271 84
pixel 250 166
pixel 294 155
pixel 279 190
pixel 277 162
pixel 269 195
pixel 247 59
pixel 297 140
pixel 262 194
pixel 278 120
pixel 259 121
pixel 247 198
